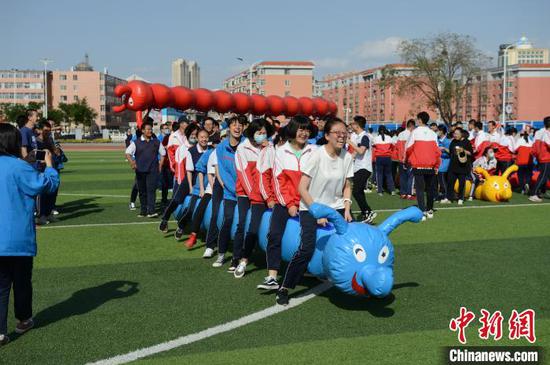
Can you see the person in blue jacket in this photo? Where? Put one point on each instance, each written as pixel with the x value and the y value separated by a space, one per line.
pixel 443 143
pixel 20 183
pixel 227 176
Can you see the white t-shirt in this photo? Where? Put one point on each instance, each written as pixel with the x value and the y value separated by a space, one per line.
pixel 363 161
pixel 328 177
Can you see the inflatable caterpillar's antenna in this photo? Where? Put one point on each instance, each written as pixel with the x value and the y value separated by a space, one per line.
pixel 509 170
pixel 318 211
pixel 410 214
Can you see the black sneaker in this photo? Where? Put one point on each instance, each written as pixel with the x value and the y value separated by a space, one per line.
pixel 233 266
pixel 24 326
pixel 179 234
pixel 270 283
pixel 163 226
pixel 282 296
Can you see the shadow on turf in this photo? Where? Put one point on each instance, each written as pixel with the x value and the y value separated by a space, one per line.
pixel 78 208
pixel 84 301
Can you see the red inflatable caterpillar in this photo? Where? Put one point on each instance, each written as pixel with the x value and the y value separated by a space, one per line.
pixel 139 96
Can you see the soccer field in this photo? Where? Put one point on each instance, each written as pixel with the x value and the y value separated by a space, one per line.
pixel 107 283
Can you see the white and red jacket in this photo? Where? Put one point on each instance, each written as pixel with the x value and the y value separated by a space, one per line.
pixel 481 142
pixel 183 162
pixel 524 151
pixel 287 173
pixel 505 148
pixel 175 140
pixel 402 139
pixel 248 177
pixel 422 150
pixel 495 136
pixel 541 145
pixel 382 147
pixel 265 170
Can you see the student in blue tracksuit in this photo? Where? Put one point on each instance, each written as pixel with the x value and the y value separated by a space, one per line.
pixel 20 183
pixel 199 139
pixel 227 173
pixel 443 143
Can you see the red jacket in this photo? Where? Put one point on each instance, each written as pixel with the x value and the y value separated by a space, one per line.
pixel 541 146
pixel 402 139
pixel 248 177
pixel 524 151
pixel 422 151
pixel 382 147
pixel 287 173
pixel 505 149
pixel 265 170
pixel 481 142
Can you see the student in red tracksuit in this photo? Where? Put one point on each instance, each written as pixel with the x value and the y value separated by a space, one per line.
pixel 423 154
pixel 288 161
pixel 505 151
pixel 248 190
pixel 481 141
pixel 382 152
pixel 524 160
pixel 541 151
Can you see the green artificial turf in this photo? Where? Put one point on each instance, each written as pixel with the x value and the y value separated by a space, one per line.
pixel 101 291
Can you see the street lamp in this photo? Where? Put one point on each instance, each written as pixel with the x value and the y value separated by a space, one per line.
pixel 45 61
pixel 505 62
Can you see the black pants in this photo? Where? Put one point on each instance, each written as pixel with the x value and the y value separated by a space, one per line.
pixel 503 165
pixel 134 193
pixel 188 216
pixel 46 203
pixel 199 214
pixel 405 179
pixel 451 186
pixel 178 196
pixel 147 187
pixel 243 204
pixel 544 175
pixel 424 183
pixel 384 173
pixel 308 237
pixel 251 236
pixel 442 188
pixel 277 226
pixel 213 231
pixel 525 173
pixel 359 184
pixel 225 231
pixel 15 271
pixel 166 179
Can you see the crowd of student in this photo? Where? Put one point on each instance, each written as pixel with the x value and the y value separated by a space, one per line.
pixel 260 165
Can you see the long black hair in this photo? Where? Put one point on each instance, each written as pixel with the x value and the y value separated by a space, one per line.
pixel 383 132
pixel 10 140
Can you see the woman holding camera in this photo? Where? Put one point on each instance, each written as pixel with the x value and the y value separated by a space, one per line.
pixel 460 153
pixel 20 183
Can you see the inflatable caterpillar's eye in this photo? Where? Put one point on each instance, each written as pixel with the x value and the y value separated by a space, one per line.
pixel 506 185
pixel 496 185
pixel 383 255
pixel 359 253
pixel 130 101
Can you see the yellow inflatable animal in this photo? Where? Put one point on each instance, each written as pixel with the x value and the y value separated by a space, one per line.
pixel 495 188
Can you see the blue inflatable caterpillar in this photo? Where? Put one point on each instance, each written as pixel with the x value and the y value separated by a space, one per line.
pixel 356 257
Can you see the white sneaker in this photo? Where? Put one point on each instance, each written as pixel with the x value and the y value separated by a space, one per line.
pixel 470 199
pixel 535 199
pixel 208 253
pixel 55 212
pixel 240 270
pixel 132 206
pixel 460 202
pixel 219 261
pixel 430 214
pixel 445 201
pixel 423 217
pixel 368 191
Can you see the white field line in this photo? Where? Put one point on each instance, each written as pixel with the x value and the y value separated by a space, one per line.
pixel 379 210
pixel 96 195
pixel 213 331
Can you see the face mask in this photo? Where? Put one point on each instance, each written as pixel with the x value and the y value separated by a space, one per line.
pixel 259 138
pixel 491 155
pixel 192 140
pixel 166 132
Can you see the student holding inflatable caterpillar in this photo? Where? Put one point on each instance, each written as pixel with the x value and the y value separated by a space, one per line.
pixel 326 179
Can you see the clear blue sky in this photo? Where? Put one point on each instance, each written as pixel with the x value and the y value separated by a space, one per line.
pixel 143 37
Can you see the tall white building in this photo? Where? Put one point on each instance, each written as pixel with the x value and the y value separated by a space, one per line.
pixel 185 73
pixel 523 52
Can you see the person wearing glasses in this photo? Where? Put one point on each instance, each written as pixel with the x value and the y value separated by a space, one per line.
pixel 326 179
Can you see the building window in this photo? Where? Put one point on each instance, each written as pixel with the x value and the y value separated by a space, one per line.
pixel 62 77
pixel 63 87
pixel 75 87
pixel 75 77
pixel 287 93
pixel 287 82
pixel 287 71
pixel 63 97
pixel 75 98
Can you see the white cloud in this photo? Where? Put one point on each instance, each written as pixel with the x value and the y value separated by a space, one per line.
pixel 332 62
pixel 378 49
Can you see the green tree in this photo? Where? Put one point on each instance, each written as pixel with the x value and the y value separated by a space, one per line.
pixel 10 112
pixel 78 112
pixel 443 67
